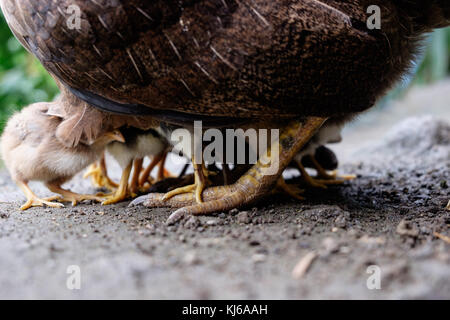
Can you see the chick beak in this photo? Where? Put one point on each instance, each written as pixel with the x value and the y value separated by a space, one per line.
pixel 116 136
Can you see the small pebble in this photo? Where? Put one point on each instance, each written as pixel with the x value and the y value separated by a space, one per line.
pixel 244 217
pixel 259 257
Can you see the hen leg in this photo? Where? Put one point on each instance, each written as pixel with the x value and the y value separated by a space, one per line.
pixel 256 183
pixel 34 201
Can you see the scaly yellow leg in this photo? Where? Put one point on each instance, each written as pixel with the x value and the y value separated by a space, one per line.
pixel 122 191
pixel 34 201
pixel 69 196
pixel 256 183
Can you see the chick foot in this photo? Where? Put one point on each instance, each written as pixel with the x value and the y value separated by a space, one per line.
pixel 323 182
pixel 145 179
pixel 117 197
pixel 93 171
pixel 34 201
pixel 99 174
pixel 201 182
pixel 333 178
pixel 69 196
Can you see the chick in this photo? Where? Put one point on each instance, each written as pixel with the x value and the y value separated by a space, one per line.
pixel 139 143
pixel 32 152
pixel 328 134
pixel 316 156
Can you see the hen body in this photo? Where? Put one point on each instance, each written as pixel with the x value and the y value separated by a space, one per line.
pixel 179 60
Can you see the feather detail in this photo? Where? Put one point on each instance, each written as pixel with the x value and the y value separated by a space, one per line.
pixel 140 122
pixel 81 123
pixel 55 110
pixel 84 125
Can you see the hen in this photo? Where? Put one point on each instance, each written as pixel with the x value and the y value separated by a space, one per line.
pixel 287 64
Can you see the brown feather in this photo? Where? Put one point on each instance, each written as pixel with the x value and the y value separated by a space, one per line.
pixel 80 121
pixel 233 58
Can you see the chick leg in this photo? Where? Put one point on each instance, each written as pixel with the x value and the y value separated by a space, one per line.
pixel 122 191
pixel 162 172
pixel 200 183
pixel 256 183
pixel 105 180
pixel 307 179
pixel 93 171
pixel 134 184
pixel 332 178
pixel 291 190
pixel 69 196
pixel 34 201
pixel 145 176
pixel 99 175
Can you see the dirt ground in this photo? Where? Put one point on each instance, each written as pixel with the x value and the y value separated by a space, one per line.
pixel 389 217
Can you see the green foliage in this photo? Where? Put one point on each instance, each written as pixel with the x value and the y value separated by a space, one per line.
pixel 436 64
pixel 23 80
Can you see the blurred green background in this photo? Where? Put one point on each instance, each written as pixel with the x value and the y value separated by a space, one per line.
pixel 23 80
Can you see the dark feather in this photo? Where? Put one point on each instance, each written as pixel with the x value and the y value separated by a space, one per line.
pixel 228 58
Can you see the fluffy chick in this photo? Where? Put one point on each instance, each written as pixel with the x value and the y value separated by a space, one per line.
pixel 328 134
pixel 32 152
pixel 138 144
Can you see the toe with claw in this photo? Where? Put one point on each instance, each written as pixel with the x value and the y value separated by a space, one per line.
pixel 34 201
